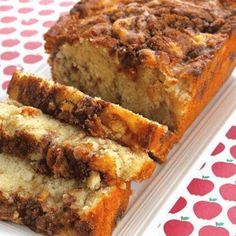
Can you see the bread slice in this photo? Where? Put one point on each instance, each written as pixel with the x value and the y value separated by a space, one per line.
pixel 57 206
pixel 93 115
pixel 163 59
pixel 64 150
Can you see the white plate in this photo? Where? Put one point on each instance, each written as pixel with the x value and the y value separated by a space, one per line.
pixel 150 198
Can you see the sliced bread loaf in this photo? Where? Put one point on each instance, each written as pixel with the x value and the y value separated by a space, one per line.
pixel 93 115
pixel 64 150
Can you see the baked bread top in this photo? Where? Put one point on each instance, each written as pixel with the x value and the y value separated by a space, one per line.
pixel 179 37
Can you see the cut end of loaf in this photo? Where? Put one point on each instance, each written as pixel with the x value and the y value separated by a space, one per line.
pixel 94 71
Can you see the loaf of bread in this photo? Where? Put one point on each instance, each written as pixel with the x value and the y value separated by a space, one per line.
pixel 57 206
pixel 66 151
pixel 163 59
pixel 95 116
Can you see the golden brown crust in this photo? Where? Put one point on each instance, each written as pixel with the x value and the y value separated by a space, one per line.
pixel 95 116
pixel 215 74
pixel 106 215
pixel 166 28
pixel 33 213
pixel 207 84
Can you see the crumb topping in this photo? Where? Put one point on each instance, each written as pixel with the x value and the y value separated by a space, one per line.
pixel 177 36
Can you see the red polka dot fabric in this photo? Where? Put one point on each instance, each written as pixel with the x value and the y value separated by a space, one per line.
pixel 22 25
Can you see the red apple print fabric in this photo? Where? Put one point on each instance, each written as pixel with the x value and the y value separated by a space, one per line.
pixel 207 205
pixel 22 25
